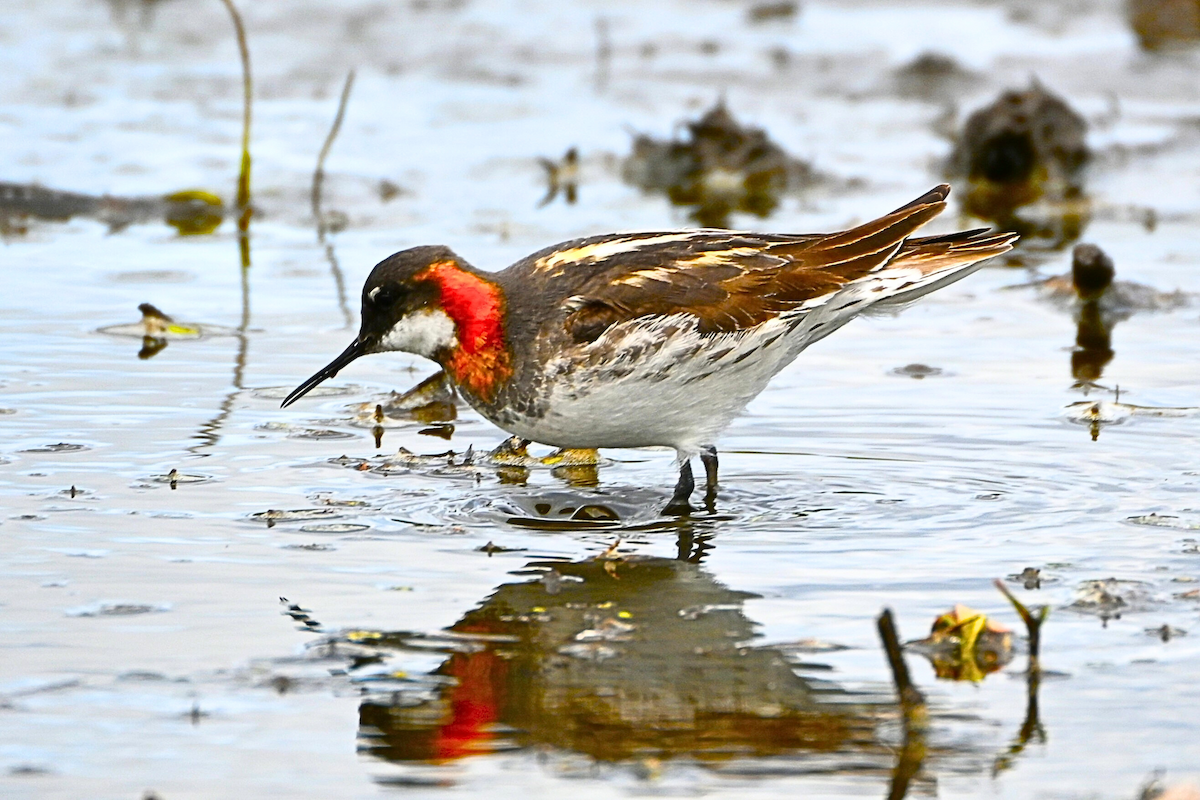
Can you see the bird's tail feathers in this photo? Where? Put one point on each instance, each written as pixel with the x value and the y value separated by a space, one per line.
pixel 942 260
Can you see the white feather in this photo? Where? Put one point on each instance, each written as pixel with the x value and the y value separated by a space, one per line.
pixel 423 332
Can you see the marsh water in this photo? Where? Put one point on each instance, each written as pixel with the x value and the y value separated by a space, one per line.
pixel 202 595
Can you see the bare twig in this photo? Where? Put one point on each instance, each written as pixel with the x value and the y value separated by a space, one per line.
pixel 243 194
pixel 604 51
pixel 1032 624
pixel 319 173
pixel 1032 728
pixel 912 702
pixel 318 183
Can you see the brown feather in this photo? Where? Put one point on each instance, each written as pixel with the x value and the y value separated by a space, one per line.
pixel 733 281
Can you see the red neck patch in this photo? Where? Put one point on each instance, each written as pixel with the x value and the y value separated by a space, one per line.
pixel 481 362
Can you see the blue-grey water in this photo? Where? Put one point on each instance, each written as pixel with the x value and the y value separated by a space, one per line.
pixel 144 643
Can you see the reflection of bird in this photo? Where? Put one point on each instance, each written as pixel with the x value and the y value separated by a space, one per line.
pixel 616 658
pixel 634 340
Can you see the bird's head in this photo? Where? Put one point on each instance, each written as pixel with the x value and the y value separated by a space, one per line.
pixel 427 301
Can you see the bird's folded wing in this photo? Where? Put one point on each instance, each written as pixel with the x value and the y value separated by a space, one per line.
pixel 731 281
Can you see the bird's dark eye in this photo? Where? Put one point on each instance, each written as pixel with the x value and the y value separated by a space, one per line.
pixel 383 296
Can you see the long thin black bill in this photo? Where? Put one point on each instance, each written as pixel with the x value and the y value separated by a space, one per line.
pixel 357 348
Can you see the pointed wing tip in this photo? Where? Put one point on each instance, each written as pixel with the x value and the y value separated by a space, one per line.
pixel 937 194
pixel 934 197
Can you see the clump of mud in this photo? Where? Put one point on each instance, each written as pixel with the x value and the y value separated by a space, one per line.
pixel 1022 137
pixel 721 166
pixel 1026 147
pixel 1165 24
pixel 191 213
pixel 933 76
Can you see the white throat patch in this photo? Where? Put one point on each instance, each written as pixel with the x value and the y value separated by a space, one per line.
pixel 423 332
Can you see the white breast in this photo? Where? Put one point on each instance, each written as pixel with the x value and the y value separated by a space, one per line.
pixel 422 332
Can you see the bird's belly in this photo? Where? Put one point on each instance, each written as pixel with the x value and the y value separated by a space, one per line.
pixel 680 397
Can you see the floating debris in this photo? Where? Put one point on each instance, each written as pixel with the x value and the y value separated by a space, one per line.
pixel 1024 139
pixel 722 167
pixel 1092 280
pixel 1031 577
pixel 1167 521
pixel 300 615
pixel 1166 632
pixel 175 477
pixel 562 177
pixel 156 329
pixel 589 651
pixel 302 432
pixel 917 371
pixel 491 548
pixel 117 609
pixel 389 190
pixel 192 212
pixel 512 452
pixel 60 447
pixel 442 431
pixel 609 629
pixel 320 434
pixel 571 456
pixel 808 646
pixel 1153 789
pixel 336 527
pixel 1097 414
pixel 1110 597
pixel 1164 24
pixel 404 460
pixel 780 11
pixel 964 644
pixel 324 390
pixel 431 401
pixel 272 516
pixel 933 76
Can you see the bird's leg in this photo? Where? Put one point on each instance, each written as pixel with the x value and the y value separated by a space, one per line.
pixel 679 506
pixel 708 457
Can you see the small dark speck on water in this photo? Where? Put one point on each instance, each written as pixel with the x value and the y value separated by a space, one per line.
pixel 492 547
pixel 1166 632
pixel 1031 577
pixel 917 371
pixel 28 770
